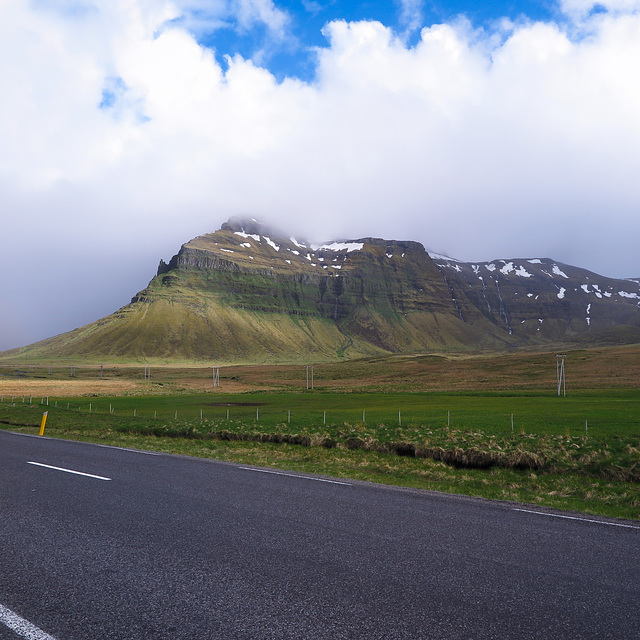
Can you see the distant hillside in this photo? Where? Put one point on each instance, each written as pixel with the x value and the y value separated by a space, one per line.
pixel 540 299
pixel 250 293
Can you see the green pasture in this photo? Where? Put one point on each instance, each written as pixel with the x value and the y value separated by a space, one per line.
pixel 386 415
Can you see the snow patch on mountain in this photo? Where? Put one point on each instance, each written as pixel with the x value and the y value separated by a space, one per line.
pixel 244 235
pixel 518 270
pixel 339 246
pixel 556 269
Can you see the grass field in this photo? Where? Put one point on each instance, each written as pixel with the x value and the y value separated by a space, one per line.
pixel 394 415
pixel 515 441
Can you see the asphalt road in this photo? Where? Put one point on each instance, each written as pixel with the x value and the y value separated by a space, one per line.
pixel 181 548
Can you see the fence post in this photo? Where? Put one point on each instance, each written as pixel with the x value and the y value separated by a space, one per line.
pixel 44 420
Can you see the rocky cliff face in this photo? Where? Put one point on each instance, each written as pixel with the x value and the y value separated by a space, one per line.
pixel 538 299
pixel 386 295
pixel 250 293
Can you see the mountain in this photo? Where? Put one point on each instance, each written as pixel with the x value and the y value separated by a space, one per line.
pixel 249 293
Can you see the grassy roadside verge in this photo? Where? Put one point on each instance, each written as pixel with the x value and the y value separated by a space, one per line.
pixel 595 474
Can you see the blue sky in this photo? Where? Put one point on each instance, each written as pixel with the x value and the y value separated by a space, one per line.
pixel 294 54
pixel 483 130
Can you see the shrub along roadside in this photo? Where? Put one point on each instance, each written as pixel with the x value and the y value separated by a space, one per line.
pixel 471 458
pixel 617 458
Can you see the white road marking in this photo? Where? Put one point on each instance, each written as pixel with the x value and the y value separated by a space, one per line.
pixel 111 446
pixel 556 515
pixel 21 626
pixel 78 473
pixel 293 475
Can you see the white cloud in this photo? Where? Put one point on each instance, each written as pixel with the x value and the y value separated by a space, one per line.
pixel 579 9
pixel 251 12
pixel 210 15
pixel 411 14
pixel 121 138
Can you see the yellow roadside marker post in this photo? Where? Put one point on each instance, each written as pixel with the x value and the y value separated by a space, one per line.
pixel 44 420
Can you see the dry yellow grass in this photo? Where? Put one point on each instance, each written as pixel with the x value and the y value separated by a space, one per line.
pixel 603 368
pixel 107 387
pixel 67 388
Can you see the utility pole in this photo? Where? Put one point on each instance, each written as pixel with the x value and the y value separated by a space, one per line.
pixel 307 368
pixel 560 377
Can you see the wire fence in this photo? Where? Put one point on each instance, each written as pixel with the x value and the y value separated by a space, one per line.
pixel 389 413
